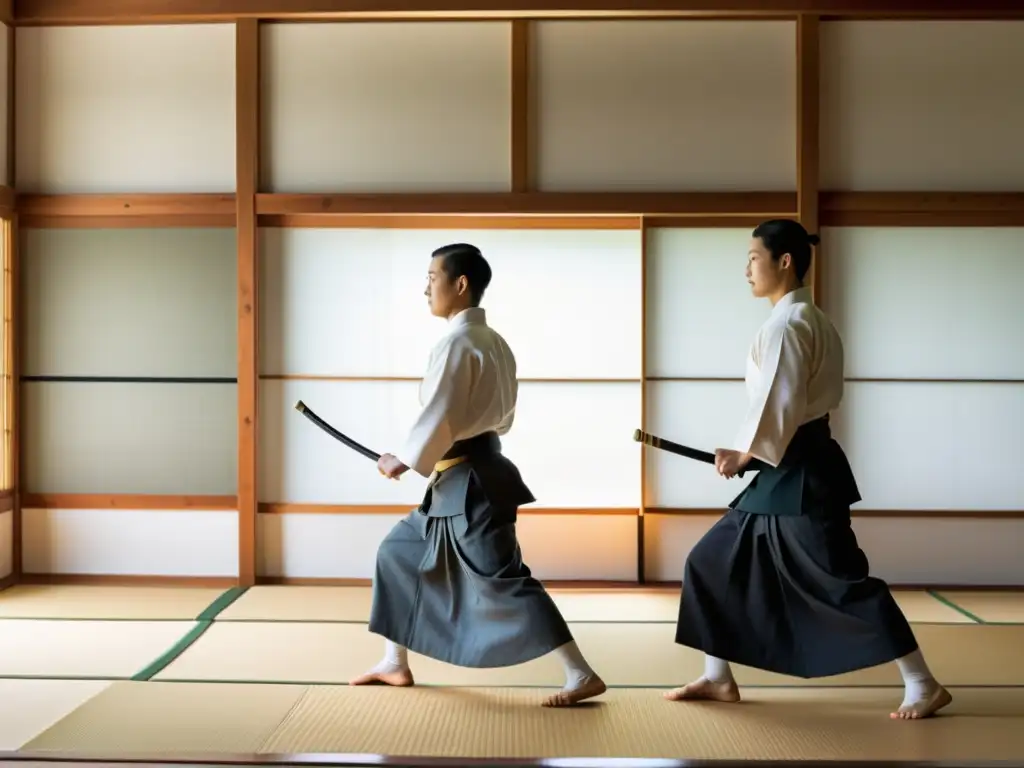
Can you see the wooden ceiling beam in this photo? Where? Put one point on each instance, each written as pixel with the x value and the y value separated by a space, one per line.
pixel 68 12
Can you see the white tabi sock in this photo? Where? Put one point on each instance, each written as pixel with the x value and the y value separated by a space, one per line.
pixel 917 678
pixel 577 671
pixel 716 670
pixel 395 657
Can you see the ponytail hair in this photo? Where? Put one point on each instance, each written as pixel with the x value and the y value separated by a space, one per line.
pixel 781 236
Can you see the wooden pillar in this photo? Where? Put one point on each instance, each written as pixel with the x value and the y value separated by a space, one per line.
pixel 247 88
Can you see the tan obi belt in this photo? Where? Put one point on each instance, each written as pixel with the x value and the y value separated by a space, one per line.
pixel 444 464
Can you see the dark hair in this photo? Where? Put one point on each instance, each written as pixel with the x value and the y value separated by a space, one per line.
pixel 782 236
pixel 463 259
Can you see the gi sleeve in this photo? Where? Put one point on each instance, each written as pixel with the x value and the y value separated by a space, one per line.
pixel 444 396
pixel 779 399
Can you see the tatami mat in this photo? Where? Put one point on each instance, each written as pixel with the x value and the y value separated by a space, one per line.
pixel 323 603
pixel 770 724
pixel 75 601
pixel 995 607
pixel 808 724
pixel 86 649
pixel 29 707
pixel 150 717
pixel 624 654
pixel 922 608
pixel 300 603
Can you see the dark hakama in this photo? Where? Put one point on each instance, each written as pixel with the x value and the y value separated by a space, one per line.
pixel 780 583
pixel 450 580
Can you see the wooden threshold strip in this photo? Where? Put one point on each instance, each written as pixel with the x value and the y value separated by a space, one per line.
pixel 133 580
pixel 287 508
pixel 890 514
pixel 158 11
pixel 128 501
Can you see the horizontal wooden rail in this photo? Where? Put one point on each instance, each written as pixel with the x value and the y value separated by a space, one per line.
pixel 519 210
pixel 922 209
pixel 445 221
pixel 890 514
pixel 534 203
pixel 157 204
pixel 130 501
pixel 417 379
pixel 848 380
pixel 283 508
pixel 160 11
pixel 101 211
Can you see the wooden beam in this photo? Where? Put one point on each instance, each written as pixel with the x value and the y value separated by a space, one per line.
pixel 889 514
pixel 190 221
pixel 7 11
pixel 641 533
pixel 417 379
pixel 760 204
pixel 131 501
pixel 519 210
pixel 444 221
pixel 181 207
pixel 247 111
pixel 808 120
pixel 12 89
pixel 922 209
pixel 12 355
pixel 161 11
pixel 12 310
pixel 289 508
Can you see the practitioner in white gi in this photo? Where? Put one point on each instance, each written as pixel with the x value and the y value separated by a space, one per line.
pixel 780 583
pixel 450 581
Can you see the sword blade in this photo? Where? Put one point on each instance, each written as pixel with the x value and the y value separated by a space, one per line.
pixel 705 457
pixel 305 410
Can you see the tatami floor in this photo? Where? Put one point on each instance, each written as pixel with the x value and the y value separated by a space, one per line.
pixel 110 671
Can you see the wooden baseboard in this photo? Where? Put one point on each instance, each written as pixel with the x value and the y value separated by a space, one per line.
pixel 303 581
pixel 128 580
pixel 8 581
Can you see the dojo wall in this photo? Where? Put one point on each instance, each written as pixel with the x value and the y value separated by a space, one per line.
pixel 130 400
pixel 128 335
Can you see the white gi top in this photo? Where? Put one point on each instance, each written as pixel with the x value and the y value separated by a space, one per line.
pixel 470 387
pixel 794 375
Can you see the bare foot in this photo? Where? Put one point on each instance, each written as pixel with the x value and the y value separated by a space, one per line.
pixel 926 707
pixel 703 689
pixel 588 689
pixel 385 674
